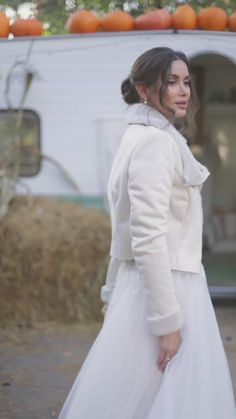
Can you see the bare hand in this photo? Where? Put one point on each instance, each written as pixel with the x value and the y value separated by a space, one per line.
pixel 169 346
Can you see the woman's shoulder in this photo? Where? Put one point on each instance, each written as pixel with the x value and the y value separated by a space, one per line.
pixel 150 138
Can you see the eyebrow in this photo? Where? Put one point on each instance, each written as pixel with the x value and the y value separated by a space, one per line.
pixel 176 75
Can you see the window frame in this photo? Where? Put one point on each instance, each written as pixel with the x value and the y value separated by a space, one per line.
pixel 38 119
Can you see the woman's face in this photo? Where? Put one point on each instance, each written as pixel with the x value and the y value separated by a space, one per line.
pixel 178 91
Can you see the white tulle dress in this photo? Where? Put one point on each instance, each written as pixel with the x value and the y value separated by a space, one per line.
pixel 120 379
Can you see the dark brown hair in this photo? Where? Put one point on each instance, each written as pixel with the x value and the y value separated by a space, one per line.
pixel 149 67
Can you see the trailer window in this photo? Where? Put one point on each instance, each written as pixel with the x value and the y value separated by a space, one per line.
pixel 20 141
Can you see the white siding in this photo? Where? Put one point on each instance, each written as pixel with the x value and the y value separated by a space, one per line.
pixel 78 85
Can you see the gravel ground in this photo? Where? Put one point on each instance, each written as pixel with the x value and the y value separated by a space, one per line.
pixel 38 366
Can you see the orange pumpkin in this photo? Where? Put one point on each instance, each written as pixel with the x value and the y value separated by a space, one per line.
pixel 117 21
pixel 156 19
pixel 34 27
pixel 232 22
pixel 185 17
pixel 4 25
pixel 19 27
pixel 83 21
pixel 212 19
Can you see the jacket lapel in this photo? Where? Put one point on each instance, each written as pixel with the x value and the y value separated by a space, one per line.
pixel 194 173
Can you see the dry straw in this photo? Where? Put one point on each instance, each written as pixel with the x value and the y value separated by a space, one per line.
pixel 53 261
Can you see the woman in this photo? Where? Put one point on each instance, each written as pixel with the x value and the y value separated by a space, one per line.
pixel 159 354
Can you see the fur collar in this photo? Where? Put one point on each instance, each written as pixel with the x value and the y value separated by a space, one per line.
pixel 194 172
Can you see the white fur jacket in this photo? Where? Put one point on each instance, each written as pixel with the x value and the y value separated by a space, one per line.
pixel 154 193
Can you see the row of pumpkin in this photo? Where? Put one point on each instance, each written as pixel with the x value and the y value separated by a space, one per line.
pixel 85 21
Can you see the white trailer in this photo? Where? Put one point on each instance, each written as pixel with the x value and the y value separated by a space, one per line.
pixel 75 115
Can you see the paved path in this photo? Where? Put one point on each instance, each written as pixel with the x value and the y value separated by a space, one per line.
pixel 38 366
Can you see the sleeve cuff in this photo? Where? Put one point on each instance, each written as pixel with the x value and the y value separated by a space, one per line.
pixel 162 325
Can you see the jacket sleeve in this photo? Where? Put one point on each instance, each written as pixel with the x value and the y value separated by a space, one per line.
pixel 112 271
pixel 150 177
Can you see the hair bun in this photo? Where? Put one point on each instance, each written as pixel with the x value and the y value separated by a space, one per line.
pixel 129 93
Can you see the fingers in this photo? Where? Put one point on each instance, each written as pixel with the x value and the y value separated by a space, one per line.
pixel 161 362
pixel 169 346
pixel 162 359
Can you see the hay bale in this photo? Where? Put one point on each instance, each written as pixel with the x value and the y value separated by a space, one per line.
pixel 53 261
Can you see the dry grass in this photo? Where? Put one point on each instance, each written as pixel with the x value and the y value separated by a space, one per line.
pixel 53 261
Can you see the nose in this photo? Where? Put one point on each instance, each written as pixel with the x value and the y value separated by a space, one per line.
pixel 183 88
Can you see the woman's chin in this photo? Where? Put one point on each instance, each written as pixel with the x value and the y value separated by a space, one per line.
pixel 180 113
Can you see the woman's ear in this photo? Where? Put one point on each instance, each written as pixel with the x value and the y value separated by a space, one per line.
pixel 142 91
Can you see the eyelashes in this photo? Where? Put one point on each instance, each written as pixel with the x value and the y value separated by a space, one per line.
pixel 171 82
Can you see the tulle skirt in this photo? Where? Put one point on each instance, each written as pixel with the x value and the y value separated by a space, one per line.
pixel 120 378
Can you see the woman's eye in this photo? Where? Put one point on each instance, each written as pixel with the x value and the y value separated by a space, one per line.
pixel 171 82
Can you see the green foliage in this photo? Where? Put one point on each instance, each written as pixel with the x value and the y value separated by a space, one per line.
pixel 55 14
pixel 12 3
